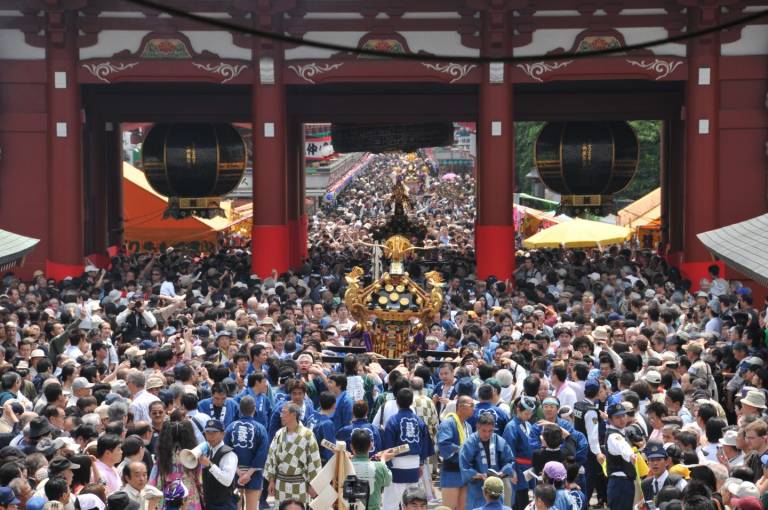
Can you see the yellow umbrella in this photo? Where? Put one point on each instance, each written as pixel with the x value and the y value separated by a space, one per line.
pixel 578 233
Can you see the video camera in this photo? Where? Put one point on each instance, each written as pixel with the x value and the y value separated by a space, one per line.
pixel 356 490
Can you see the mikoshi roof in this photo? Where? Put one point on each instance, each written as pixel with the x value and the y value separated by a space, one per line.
pixel 578 233
pixel 14 247
pixel 743 246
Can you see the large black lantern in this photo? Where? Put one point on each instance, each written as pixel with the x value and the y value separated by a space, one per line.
pixel 193 165
pixel 587 162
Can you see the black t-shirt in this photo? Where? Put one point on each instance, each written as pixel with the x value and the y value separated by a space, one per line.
pixel 541 457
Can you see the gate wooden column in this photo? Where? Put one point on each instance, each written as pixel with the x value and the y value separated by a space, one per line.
pixel 495 231
pixel 702 105
pixel 270 235
pixel 65 175
pixel 297 220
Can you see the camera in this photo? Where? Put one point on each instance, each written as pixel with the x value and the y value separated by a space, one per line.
pixel 356 490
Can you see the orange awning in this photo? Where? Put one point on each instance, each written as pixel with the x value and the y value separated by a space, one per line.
pixel 144 223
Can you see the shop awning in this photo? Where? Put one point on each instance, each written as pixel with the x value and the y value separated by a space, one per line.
pixel 13 248
pixel 642 211
pixel 742 246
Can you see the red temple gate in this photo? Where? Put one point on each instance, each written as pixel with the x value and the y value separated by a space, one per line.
pixel 72 70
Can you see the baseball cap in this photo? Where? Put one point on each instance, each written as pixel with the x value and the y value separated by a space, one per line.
pixel 555 471
pixel 214 426
pixel 81 383
pixel 655 450
pixel 8 497
pixel 730 438
pixel 592 384
pixel 616 410
pixel 155 381
pixel 38 502
pixel 170 330
pixel 653 377
pixel 493 486
pixel 415 493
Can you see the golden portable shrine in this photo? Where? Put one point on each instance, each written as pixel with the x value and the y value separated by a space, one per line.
pixel 394 308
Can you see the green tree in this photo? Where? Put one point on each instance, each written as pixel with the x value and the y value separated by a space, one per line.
pixel 525 142
pixel 647 177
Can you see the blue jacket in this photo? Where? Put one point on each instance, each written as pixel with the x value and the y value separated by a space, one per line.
pixel 275 424
pixel 448 448
pixel 343 414
pixel 472 461
pixel 535 435
pixel 345 434
pixel 499 415
pixel 263 405
pixel 248 438
pixel 405 427
pixel 517 438
pixel 323 428
pixel 228 413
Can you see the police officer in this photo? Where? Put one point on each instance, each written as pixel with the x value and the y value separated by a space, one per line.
pixel 658 476
pixel 620 459
pixel 219 469
pixel 586 419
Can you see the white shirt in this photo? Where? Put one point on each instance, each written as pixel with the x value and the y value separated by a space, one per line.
pixel 167 289
pixel 618 445
pixel 74 352
pixel 224 473
pixel 659 483
pixel 140 405
pixel 201 419
pixel 566 395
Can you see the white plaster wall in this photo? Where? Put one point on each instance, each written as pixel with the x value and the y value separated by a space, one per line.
pixel 645 34
pixel 344 38
pixel 754 41
pixel 546 40
pixel 113 41
pixel 216 42
pixel 439 43
pixel 13 46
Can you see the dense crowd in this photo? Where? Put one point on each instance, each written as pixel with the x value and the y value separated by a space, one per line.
pixel 177 380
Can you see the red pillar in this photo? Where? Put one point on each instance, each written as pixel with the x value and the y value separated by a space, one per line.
pixel 294 167
pixel 494 231
pixel 96 186
pixel 64 141
pixel 701 131
pixel 270 236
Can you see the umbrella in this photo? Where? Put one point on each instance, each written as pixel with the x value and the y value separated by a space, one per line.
pixel 578 233
pixel 449 176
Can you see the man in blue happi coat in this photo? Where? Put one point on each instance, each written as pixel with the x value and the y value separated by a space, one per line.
pixel 297 390
pixel 484 451
pixel 360 421
pixel 486 406
pixel 517 437
pixel 219 406
pixel 257 387
pixel 322 424
pixel 248 438
pixel 452 433
pixel 405 428
pixel 337 384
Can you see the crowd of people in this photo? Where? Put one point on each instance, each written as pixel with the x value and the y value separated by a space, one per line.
pixel 181 380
